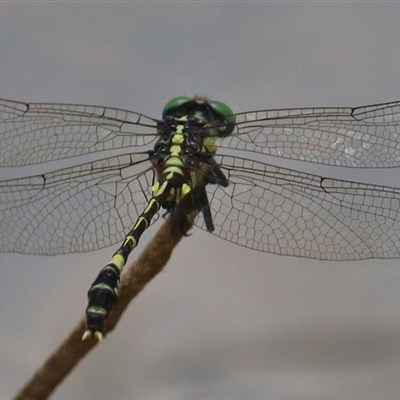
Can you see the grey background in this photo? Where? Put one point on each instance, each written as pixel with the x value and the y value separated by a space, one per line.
pixel 220 322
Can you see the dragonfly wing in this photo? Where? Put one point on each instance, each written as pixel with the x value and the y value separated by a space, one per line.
pixel 39 132
pixel 76 209
pixel 287 212
pixel 367 137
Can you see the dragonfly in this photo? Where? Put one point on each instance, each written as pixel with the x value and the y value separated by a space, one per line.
pixel 106 173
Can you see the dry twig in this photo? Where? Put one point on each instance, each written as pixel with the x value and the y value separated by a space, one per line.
pixel 73 349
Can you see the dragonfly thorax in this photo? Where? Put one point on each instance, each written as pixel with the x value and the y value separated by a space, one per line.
pixel 183 143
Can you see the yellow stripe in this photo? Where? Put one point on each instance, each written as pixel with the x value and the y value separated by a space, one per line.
pixel 102 286
pixel 175 149
pixel 118 261
pixel 130 239
pixel 185 189
pixel 160 190
pixel 174 161
pixel 97 310
pixel 210 145
pixel 138 222
pixel 177 139
pixel 145 211
pixel 173 169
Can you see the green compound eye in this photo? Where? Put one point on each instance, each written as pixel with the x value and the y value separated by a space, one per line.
pixel 174 104
pixel 221 109
pixel 227 115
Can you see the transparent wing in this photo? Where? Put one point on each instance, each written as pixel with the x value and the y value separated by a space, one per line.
pixel 39 132
pixel 287 212
pixel 77 209
pixel 367 136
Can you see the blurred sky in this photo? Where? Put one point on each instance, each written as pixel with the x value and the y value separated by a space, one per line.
pixel 220 321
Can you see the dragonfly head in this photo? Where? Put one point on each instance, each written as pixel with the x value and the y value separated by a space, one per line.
pixel 213 113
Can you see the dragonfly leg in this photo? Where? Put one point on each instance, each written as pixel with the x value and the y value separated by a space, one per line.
pixel 202 204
